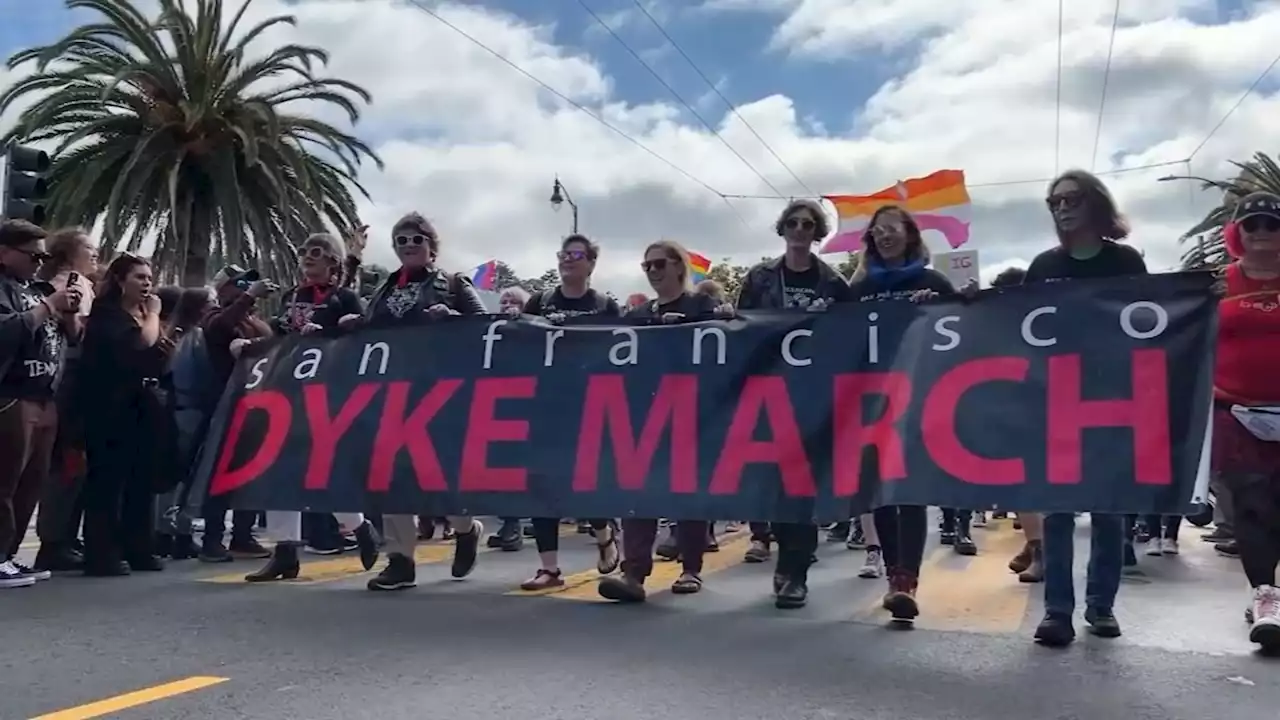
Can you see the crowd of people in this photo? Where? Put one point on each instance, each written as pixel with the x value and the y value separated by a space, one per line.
pixel 107 384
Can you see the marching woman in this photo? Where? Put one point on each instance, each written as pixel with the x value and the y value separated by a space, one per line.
pixel 419 292
pixel 315 305
pixel 796 279
pixel 666 265
pixel 1246 455
pixel 895 266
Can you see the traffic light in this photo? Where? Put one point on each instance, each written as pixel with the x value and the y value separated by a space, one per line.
pixel 25 188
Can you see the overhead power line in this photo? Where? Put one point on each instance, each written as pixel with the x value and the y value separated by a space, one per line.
pixel 729 104
pixel 674 93
pixel 1235 107
pixel 1106 76
pixel 1057 119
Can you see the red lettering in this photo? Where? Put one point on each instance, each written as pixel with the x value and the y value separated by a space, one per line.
pixel 271 442
pixel 851 435
pixel 484 429
pixel 784 448
pixel 326 431
pixel 1146 413
pixel 398 431
pixel 938 422
pixel 674 406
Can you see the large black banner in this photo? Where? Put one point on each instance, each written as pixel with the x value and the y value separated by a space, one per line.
pixel 1069 396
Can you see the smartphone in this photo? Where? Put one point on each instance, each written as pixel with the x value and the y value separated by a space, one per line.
pixel 73 280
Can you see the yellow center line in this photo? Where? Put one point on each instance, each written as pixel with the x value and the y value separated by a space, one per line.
pixel 134 699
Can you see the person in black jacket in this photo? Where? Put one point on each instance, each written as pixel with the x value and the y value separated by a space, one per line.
pixel 314 306
pixel 419 292
pixel 796 279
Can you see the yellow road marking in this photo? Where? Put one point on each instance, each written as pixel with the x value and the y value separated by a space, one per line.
pixel 582 586
pixel 133 699
pixel 979 595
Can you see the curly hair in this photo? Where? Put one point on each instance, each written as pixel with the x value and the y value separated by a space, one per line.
pixel 821 227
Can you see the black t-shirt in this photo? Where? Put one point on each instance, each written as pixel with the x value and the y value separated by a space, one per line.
pixel 800 289
pixel 323 306
pixel 1113 260
pixel 34 372
pixel 692 306
pixel 553 301
pixel 114 362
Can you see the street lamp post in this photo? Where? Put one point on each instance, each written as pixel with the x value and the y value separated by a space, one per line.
pixel 561 195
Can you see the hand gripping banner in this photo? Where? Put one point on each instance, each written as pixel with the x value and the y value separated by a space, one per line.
pixel 1068 396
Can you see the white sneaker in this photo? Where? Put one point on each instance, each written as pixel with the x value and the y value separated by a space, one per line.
pixel 1169 546
pixel 1152 548
pixel 12 577
pixel 873 567
pixel 979 519
pixel 1265 630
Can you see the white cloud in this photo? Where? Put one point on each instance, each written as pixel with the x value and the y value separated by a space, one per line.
pixel 474 145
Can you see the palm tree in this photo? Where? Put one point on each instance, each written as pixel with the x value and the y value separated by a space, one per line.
pixel 169 129
pixel 1261 174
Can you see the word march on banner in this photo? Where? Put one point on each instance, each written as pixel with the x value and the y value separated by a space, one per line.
pixel 1069 396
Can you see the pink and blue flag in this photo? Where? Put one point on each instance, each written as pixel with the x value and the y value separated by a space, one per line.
pixel 485 276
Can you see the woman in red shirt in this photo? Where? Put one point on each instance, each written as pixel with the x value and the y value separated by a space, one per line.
pixel 1246 432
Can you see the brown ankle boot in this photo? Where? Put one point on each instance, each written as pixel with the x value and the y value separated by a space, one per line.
pixel 1034 572
pixel 1022 560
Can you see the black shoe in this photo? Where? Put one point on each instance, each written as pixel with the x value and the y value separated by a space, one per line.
pixel 466 550
pixel 215 553
pixel 283 565
pixel 426 527
pixel 1217 535
pixel 839 532
pixel 367 542
pixel 622 589
pixel 1055 631
pixel 1102 623
pixel 56 557
pixel 163 545
pixel 399 574
pixel 964 544
pixel 509 537
pixel 947 537
pixel 145 563
pixel 1228 549
pixel 248 549
pixel 793 594
pixel 106 568
pixel 184 548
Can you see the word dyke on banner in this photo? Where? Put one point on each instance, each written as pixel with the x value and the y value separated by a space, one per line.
pixel 1074 396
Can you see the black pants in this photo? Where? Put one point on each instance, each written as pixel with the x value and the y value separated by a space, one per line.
pixel 1163 526
pixel 215 519
pixel 953 520
pixel 546 532
pixel 119 523
pixel 797 542
pixel 1256 498
pixel 903 530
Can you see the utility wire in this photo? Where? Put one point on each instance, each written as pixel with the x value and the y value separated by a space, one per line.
pixel 1106 76
pixel 678 97
pixel 1057 127
pixel 1235 107
pixel 732 108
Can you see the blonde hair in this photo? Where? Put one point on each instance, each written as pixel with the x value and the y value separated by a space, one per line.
pixel 61 244
pixel 674 252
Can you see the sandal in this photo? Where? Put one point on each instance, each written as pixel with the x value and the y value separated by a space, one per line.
pixel 686 584
pixel 543 580
pixel 610 557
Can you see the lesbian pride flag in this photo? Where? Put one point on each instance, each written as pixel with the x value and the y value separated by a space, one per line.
pixel 699 266
pixel 938 202
pixel 485 276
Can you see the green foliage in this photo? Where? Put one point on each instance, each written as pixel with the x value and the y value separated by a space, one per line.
pixel 1206 244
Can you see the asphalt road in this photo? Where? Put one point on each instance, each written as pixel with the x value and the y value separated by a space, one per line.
pixel 195 643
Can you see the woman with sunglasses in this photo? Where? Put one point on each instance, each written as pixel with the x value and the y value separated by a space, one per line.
pixel 796 279
pixel 314 306
pixel 1089 228
pixel 1246 455
pixel 419 292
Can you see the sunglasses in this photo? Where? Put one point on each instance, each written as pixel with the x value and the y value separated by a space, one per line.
pixel 1254 223
pixel 315 252
pixel 38 256
pixel 403 240
pixel 571 255
pixel 654 265
pixel 805 224
pixel 1067 201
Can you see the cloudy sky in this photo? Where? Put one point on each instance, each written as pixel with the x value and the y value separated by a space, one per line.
pixel 828 96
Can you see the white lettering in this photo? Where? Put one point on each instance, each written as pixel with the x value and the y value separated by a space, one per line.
pixel 384 355
pixel 491 336
pixel 40 368
pixel 873 339
pixel 550 355
pixel 788 355
pixel 702 332
pixel 632 345
pixel 952 337
pixel 310 364
pixel 1028 337
pixel 1126 320
pixel 256 374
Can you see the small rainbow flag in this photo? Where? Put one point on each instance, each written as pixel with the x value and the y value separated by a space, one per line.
pixel 485 276
pixel 699 266
pixel 938 202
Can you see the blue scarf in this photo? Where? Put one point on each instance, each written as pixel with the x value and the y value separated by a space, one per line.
pixel 883 278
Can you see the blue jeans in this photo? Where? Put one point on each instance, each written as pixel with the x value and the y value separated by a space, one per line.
pixel 1106 561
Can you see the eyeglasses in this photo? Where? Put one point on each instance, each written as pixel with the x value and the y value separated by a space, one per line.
pixel 803 224
pixel 38 256
pixel 571 255
pixel 1067 201
pixel 657 265
pixel 403 240
pixel 1254 223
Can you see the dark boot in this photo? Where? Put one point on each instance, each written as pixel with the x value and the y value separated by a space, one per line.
pixel 283 565
pixel 184 548
pixel 58 557
pixel 466 549
pixel 900 601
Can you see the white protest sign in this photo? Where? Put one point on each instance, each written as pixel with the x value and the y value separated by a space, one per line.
pixel 960 266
